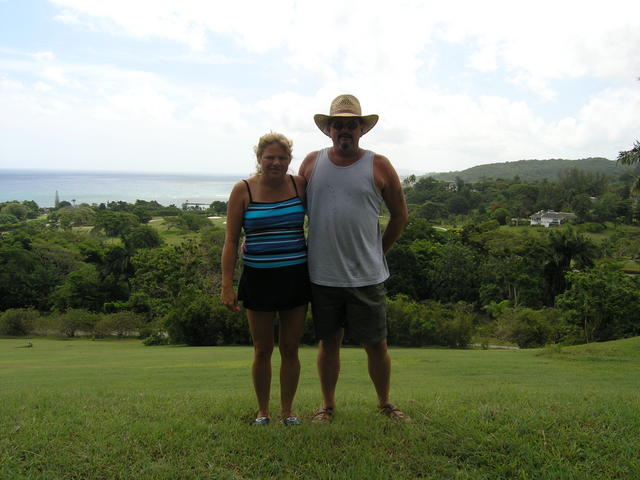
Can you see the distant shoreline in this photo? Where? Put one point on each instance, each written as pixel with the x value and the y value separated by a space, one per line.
pixel 89 187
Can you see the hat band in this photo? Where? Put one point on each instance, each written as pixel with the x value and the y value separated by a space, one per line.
pixel 346 111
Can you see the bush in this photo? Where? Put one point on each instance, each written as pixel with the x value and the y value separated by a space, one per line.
pixel 156 338
pixel 456 329
pixel 75 321
pixel 121 324
pixel 529 328
pixel 410 324
pixel 200 319
pixel 18 321
pixel 593 227
pixel 414 324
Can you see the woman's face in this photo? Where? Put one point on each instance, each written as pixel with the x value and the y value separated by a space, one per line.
pixel 274 161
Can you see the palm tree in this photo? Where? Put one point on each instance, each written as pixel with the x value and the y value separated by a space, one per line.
pixel 630 158
pixel 568 248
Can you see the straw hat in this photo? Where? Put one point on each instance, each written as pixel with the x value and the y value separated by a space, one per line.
pixel 345 106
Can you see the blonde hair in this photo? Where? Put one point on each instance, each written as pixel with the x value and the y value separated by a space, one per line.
pixel 269 139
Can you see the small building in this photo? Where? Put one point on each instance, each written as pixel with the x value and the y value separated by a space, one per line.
pixel 549 218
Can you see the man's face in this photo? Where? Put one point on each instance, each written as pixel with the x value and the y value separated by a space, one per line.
pixel 345 133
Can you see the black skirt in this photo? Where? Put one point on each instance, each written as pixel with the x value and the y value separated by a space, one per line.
pixel 274 289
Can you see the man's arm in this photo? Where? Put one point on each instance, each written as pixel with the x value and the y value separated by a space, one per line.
pixel 306 168
pixel 388 182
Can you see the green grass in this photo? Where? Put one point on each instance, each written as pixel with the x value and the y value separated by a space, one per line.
pixel 171 236
pixel 81 409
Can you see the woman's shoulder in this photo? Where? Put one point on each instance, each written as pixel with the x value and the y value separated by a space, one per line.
pixel 239 189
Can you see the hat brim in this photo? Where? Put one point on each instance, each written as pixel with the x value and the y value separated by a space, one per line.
pixel 322 121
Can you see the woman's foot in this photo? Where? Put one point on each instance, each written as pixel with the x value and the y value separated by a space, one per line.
pixel 259 421
pixel 287 421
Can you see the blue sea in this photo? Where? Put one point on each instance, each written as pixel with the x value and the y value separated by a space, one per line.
pixel 98 187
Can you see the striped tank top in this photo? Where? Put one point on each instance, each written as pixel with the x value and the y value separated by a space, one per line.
pixel 274 232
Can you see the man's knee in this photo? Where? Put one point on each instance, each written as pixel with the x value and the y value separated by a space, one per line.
pixel 331 345
pixel 376 349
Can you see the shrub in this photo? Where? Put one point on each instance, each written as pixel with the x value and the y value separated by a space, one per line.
pixel 156 338
pixel 456 329
pixel 529 328
pixel 18 321
pixel 121 324
pixel 410 324
pixel 75 321
pixel 414 324
pixel 199 319
pixel 594 227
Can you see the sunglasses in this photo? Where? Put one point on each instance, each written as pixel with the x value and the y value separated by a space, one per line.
pixel 340 124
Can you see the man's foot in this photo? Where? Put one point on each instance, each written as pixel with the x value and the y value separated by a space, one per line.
pixel 322 415
pixel 394 413
pixel 290 421
pixel 261 421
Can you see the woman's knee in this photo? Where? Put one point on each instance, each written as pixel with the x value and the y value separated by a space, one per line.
pixel 289 350
pixel 262 351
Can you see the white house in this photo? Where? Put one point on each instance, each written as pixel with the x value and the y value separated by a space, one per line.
pixel 550 218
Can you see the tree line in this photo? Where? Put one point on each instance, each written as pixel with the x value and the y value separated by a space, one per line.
pixel 462 269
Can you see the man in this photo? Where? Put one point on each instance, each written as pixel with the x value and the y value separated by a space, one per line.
pixel 347 266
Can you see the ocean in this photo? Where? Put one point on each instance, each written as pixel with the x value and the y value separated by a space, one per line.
pixel 101 187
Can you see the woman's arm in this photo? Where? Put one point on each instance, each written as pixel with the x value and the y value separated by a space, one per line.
pixel 235 211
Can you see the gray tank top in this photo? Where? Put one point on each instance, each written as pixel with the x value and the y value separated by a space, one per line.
pixel 345 242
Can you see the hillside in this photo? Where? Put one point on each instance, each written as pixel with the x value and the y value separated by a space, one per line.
pixel 533 170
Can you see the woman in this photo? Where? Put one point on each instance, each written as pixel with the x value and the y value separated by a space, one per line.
pixel 269 207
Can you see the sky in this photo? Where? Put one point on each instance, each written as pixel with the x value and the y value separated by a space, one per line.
pixel 190 86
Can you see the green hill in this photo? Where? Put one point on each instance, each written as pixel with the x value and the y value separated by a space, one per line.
pixel 533 170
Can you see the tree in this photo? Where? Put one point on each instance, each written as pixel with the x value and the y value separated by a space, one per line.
pixel 566 246
pixel 121 323
pixel 198 319
pixel 218 207
pixel 115 223
pixel 17 321
pixel 142 236
pixel 163 274
pixel 73 216
pixel 453 272
pixel 630 158
pixel 16 209
pixel 76 320
pixel 604 302
pixel 17 279
pixel 81 289
pixel 188 222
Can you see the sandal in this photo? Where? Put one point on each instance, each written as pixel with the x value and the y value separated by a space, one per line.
pixel 394 413
pixel 322 415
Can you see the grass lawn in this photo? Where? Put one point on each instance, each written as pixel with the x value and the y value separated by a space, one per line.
pixel 82 409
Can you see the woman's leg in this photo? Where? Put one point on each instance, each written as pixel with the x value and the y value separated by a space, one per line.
pixel 291 328
pixel 261 328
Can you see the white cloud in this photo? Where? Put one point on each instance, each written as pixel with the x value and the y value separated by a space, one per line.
pixel 389 54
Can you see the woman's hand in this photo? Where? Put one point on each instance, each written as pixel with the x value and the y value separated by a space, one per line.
pixel 229 299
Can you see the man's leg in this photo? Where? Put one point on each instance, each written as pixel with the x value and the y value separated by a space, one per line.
pixel 329 367
pixel 380 372
pixel 379 364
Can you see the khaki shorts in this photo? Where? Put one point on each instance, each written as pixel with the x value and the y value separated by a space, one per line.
pixel 359 310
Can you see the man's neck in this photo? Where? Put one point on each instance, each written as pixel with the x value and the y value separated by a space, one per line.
pixel 341 158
